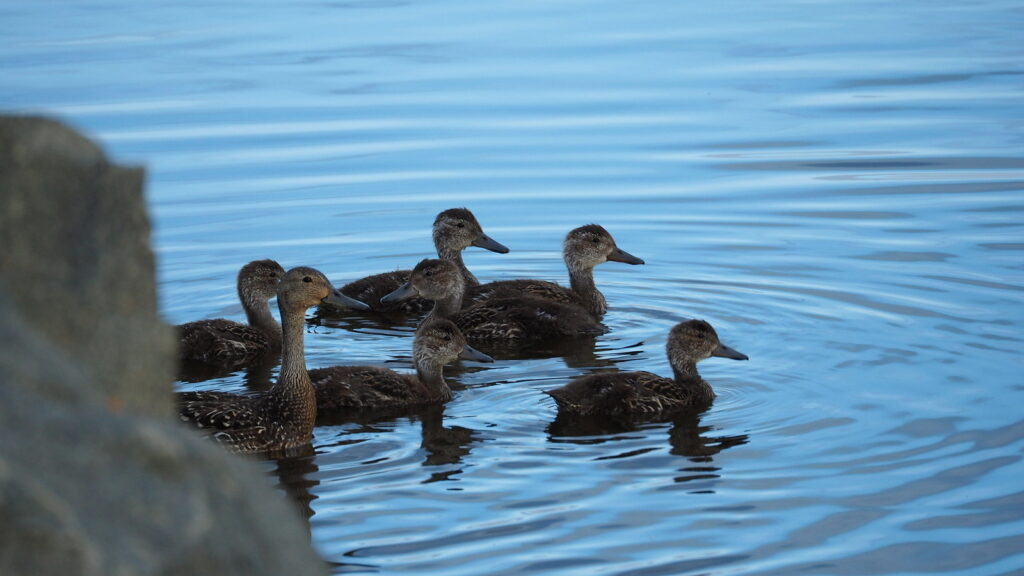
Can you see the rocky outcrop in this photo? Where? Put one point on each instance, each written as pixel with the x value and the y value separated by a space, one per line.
pixel 96 476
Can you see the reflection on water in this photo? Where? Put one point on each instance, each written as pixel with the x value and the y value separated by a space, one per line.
pixel 836 186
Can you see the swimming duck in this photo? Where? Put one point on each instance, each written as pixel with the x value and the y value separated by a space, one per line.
pixel 644 393
pixel 454 230
pixel 221 341
pixel 523 317
pixel 438 343
pixel 583 249
pixel 283 416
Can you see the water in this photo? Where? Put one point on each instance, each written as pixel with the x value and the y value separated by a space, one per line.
pixel 835 186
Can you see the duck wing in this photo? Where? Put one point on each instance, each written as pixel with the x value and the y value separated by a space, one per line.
pixel 525 318
pixel 363 387
pixel 520 288
pixel 220 341
pixel 614 393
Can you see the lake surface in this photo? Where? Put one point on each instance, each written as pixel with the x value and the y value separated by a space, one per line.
pixel 836 187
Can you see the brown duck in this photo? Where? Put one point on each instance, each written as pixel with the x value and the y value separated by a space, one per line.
pixel 584 248
pixel 644 393
pixel 349 388
pixel 221 341
pixel 283 416
pixel 454 230
pixel 518 318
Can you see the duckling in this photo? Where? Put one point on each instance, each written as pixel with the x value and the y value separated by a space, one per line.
pixel 283 416
pixel 454 230
pixel 511 318
pixel 584 248
pixel 644 393
pixel 438 342
pixel 220 341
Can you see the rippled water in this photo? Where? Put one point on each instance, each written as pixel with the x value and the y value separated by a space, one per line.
pixel 835 186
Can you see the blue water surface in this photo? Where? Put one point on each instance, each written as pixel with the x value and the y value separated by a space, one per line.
pixel 835 186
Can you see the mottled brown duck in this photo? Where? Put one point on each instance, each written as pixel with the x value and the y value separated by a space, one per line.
pixel 647 394
pixel 519 318
pixel 283 416
pixel 352 388
pixel 221 341
pixel 454 230
pixel 583 249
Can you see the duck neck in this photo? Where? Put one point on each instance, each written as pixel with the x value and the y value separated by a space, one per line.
pixel 431 373
pixel 257 311
pixel 687 377
pixel 448 305
pixel 455 255
pixel 581 280
pixel 293 376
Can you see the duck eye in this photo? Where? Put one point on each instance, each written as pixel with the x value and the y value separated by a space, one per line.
pixel 461 224
pixel 428 273
pixel 307 279
pixel 447 337
pixel 595 240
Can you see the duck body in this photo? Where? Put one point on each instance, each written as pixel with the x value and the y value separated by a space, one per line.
pixel 345 388
pixel 353 388
pixel 630 393
pixel 514 318
pixel 645 393
pixel 226 342
pixel 583 249
pixel 525 318
pixel 283 416
pixel 454 230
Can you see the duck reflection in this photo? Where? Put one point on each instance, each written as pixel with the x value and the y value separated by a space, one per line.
pixel 296 476
pixel 687 436
pixel 444 446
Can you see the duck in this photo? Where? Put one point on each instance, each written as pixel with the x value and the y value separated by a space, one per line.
pixel 283 416
pixel 583 249
pixel 222 341
pixel 438 342
pixel 454 230
pixel 518 318
pixel 645 393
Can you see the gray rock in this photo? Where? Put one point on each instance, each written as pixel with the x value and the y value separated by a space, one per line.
pixel 96 475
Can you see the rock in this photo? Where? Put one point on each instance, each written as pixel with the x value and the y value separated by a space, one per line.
pixel 96 475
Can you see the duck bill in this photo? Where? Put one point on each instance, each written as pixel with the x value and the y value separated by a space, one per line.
pixel 336 298
pixel 620 255
pixel 724 351
pixel 486 242
pixel 470 353
pixel 403 292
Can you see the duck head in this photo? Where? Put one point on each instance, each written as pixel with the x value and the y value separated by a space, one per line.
pixel 432 279
pixel 590 245
pixel 691 341
pixel 304 287
pixel 456 229
pixel 439 342
pixel 257 281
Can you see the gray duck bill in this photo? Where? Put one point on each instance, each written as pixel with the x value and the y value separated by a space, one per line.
pixel 620 255
pixel 724 351
pixel 470 353
pixel 488 243
pixel 336 298
pixel 401 293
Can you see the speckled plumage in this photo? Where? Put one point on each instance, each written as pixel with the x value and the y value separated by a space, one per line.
pixel 647 394
pixel 350 388
pixel 221 341
pixel 583 249
pixel 283 416
pixel 508 319
pixel 454 230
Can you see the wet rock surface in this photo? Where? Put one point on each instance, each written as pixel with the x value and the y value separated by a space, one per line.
pixel 96 476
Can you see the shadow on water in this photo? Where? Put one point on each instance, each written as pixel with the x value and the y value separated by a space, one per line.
pixel 687 437
pixel 444 446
